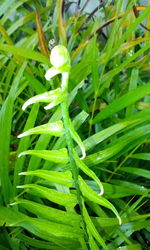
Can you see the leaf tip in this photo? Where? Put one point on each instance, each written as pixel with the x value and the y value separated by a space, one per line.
pixel 83 155
pixel 12 204
pixel 27 103
pixel 120 221
pixel 22 173
pixel 24 106
pixel 19 136
pixel 47 77
pixel 49 106
pixel 101 192
pixel 21 154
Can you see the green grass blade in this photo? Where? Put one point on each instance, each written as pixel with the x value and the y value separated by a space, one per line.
pixel 23 145
pixel 136 171
pixel 6 114
pixel 5 5
pixel 24 52
pixel 122 102
pixel 142 156
pixel 132 85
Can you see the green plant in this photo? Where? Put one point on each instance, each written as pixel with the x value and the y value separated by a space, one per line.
pixel 61 65
pixel 87 151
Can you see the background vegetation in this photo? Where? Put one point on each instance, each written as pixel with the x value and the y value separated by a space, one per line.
pixel 109 105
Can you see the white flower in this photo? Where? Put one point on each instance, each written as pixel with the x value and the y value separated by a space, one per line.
pixel 60 60
pixel 59 56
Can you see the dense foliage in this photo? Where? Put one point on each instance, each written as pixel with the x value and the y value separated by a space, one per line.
pixel 74 174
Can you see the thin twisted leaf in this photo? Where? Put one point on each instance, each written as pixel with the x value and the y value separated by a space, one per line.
pixel 88 172
pixel 93 196
pixel 92 228
pixel 53 96
pixel 77 139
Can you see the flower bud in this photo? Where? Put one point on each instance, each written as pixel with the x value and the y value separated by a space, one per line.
pixel 60 58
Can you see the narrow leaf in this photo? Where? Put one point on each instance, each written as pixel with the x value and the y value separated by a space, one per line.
pixel 60 198
pixel 42 42
pixel 88 172
pixel 93 196
pixel 92 228
pixel 142 156
pixel 50 213
pixel 122 102
pixel 77 139
pixel 99 137
pixel 6 114
pixel 47 229
pixel 41 228
pixel 53 128
pixel 62 178
pixel 57 156
pixel 62 32
pixel 137 171
pixel 130 247
pixel 92 243
pixel 24 143
pixel 53 96
pixel 24 52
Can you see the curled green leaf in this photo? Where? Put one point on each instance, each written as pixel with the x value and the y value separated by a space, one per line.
pixel 93 196
pixel 88 172
pixel 62 178
pixel 53 128
pixel 53 96
pixel 91 227
pixel 58 156
pixel 77 139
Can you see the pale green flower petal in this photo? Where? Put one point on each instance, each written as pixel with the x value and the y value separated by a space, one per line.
pixel 51 72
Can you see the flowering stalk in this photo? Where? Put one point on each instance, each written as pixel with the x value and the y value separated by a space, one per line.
pixel 60 60
pixel 66 119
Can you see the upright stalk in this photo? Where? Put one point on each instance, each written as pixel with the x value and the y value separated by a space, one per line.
pixel 60 59
pixel 69 141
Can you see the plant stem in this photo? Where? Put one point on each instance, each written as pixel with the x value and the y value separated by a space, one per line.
pixel 69 141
